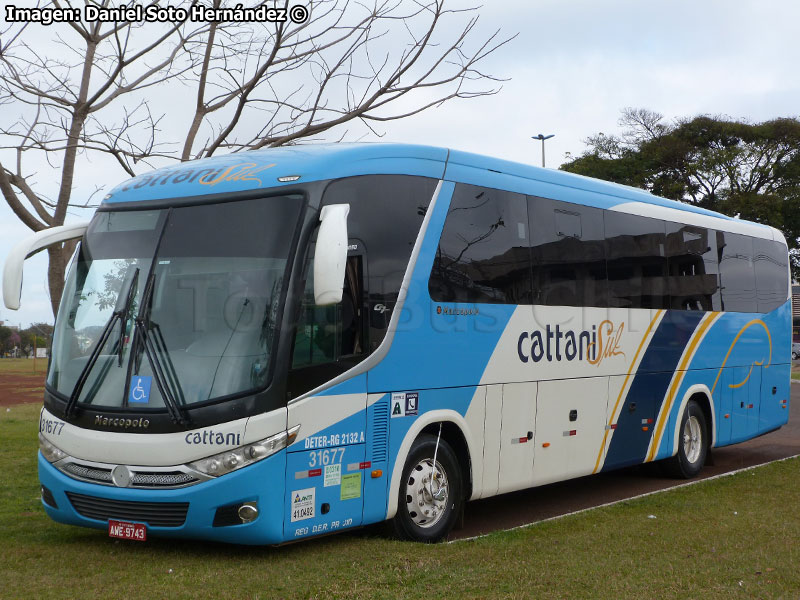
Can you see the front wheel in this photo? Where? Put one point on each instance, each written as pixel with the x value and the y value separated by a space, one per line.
pixel 692 444
pixel 430 496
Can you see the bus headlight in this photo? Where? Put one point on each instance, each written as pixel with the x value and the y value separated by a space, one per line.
pixel 49 451
pixel 231 460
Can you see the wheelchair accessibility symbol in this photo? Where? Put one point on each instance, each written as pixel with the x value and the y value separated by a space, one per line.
pixel 140 389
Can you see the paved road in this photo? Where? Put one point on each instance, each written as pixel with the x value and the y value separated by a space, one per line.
pixel 536 504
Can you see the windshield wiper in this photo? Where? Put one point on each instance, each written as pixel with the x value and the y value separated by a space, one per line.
pixel 124 315
pixel 123 305
pixel 149 335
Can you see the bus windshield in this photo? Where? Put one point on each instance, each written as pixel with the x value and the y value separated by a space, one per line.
pixel 217 273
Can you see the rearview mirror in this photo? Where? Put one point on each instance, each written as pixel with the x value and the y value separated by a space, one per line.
pixel 12 271
pixel 330 255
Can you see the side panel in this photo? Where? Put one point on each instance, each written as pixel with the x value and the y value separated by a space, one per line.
pixel 325 490
pixel 516 436
pixel 723 400
pixel 326 466
pixel 775 392
pixel 491 440
pixel 746 401
pixel 570 420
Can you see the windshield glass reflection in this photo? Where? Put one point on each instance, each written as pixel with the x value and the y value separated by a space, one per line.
pixel 217 280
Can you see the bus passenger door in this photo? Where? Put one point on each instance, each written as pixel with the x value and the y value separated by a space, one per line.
pixel 516 436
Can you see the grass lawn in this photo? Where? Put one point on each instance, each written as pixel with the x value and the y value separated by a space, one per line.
pixel 23 366
pixel 734 537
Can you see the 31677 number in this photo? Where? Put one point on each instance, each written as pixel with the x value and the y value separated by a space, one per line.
pixel 323 458
pixel 50 426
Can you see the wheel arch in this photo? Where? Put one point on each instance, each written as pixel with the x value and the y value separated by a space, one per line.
pixel 453 435
pixel 702 395
pixel 454 431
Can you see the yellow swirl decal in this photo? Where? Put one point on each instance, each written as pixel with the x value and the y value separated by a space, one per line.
pixel 608 343
pixel 240 172
pixel 622 390
pixel 755 363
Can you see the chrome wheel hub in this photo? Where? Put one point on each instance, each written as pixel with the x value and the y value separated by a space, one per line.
pixel 427 493
pixel 692 439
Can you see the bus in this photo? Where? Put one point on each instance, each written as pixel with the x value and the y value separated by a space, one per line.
pixel 279 344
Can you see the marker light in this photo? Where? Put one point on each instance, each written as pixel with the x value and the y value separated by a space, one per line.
pixel 232 460
pixel 49 451
pixel 287 178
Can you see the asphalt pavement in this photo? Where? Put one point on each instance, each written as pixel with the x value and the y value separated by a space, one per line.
pixel 537 504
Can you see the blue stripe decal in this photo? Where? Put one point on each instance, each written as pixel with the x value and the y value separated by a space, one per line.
pixel 629 444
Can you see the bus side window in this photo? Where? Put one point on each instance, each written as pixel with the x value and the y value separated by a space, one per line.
pixel 637 261
pixel 483 254
pixel 567 253
pixel 693 281
pixel 736 275
pixel 770 263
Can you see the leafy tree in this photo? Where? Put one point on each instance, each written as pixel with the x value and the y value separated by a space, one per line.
pixel 78 92
pixel 733 167
pixel 13 341
pixel 5 335
pixel 38 335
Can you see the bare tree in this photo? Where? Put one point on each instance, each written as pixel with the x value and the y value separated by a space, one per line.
pixel 91 92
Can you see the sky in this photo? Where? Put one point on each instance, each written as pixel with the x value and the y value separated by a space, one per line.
pixel 574 65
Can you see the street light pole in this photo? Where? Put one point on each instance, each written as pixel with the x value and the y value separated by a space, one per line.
pixel 543 138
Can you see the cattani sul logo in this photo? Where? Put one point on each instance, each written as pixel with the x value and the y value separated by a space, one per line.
pixel 210 176
pixel 555 344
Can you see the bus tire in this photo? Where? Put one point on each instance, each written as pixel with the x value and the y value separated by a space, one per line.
pixel 692 444
pixel 420 516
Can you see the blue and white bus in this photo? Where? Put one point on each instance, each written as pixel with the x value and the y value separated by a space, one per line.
pixel 273 345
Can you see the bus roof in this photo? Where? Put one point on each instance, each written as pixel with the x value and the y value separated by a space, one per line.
pixel 286 166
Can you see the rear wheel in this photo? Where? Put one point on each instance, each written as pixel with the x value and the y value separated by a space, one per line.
pixel 430 495
pixel 692 444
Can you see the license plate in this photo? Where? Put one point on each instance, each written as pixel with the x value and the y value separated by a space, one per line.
pixel 127 531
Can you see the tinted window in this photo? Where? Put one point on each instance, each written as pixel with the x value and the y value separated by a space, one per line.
pixel 567 253
pixel 331 333
pixel 693 282
pixel 770 263
pixel 386 212
pixel 736 276
pixel 483 254
pixel 636 261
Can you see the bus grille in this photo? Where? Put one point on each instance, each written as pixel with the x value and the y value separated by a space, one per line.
pixel 155 514
pixel 141 478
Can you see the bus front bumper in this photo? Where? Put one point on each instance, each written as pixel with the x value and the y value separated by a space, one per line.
pixel 261 483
